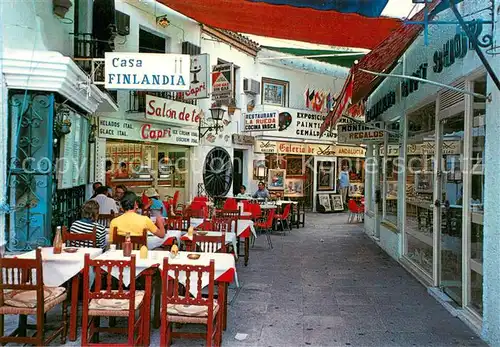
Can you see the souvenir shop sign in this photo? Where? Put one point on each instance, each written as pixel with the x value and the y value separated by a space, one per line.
pixel 113 128
pixel 146 71
pixel 222 82
pixel 172 112
pixel 200 77
pixel 262 121
pixel 361 132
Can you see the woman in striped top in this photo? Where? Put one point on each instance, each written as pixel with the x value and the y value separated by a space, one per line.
pixel 90 214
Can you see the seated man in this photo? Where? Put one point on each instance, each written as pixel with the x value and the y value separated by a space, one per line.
pixel 106 204
pixel 243 192
pixel 90 212
pixel 262 192
pixel 133 223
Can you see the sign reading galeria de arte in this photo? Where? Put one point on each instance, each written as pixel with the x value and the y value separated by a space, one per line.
pixel 172 112
pixel 146 71
pixel 120 129
pixel 262 121
pixel 327 150
pixel 361 132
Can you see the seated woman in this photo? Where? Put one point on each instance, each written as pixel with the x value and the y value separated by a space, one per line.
pixel 154 204
pixel 90 213
pixel 243 192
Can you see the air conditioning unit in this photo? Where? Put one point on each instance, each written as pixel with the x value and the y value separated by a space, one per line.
pixel 122 23
pixel 251 86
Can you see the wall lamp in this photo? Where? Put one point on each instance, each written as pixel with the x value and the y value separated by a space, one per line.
pixel 217 113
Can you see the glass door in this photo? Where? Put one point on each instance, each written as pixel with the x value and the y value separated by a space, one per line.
pixel 450 205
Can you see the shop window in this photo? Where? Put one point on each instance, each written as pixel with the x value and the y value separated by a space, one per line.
pixel 477 201
pixel 151 43
pixel 419 187
pixel 356 167
pixel 391 161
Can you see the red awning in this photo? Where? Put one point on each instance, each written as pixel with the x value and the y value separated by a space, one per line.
pixel 287 22
pixel 381 59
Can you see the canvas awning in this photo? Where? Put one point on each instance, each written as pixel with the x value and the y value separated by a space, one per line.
pixel 381 59
pixel 340 60
pixel 289 21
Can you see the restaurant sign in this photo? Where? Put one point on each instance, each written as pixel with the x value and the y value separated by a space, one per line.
pixel 160 110
pixel 121 129
pixel 146 71
pixel 262 121
pixel 200 77
pixel 361 132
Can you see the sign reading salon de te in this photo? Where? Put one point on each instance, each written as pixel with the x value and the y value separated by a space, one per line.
pixel 200 77
pixel 147 71
pixel 114 128
pixel 160 110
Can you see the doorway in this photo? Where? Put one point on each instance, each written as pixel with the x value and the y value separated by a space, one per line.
pixel 237 171
pixel 449 204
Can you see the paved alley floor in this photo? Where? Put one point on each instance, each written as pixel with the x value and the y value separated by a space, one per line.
pixel 328 284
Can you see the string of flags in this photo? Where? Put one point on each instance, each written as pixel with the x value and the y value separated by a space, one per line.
pixel 319 100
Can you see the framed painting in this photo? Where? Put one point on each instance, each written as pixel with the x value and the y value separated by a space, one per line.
pixel 324 201
pixel 326 175
pixel 337 203
pixel 294 187
pixel 276 179
pixel 294 167
pixel 274 92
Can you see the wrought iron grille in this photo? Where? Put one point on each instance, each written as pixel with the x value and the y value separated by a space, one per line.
pixel 30 170
pixel 66 206
pixel 137 99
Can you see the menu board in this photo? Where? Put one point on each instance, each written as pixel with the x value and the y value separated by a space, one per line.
pixel 72 166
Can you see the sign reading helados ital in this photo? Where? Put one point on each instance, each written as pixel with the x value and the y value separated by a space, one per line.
pixel 262 121
pixel 172 112
pixel 361 132
pixel 147 71
pixel 114 128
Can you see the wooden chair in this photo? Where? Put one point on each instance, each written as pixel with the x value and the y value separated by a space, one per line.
pixel 22 293
pixel 137 241
pixel 105 219
pixel 103 301
pixel 208 244
pixel 79 240
pixel 174 223
pixel 187 309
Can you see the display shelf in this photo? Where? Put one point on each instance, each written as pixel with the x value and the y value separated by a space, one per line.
pixel 476 266
pixel 477 218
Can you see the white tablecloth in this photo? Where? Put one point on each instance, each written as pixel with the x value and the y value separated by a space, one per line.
pixel 59 268
pixel 243 224
pixel 230 238
pixel 223 263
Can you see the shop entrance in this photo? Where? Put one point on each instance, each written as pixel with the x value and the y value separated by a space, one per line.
pixel 237 171
pixel 449 203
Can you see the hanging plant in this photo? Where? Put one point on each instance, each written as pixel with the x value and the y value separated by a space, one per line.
pixel 61 7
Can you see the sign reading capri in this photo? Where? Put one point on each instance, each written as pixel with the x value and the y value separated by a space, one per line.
pixel 147 71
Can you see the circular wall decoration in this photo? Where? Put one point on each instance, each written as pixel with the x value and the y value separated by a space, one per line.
pixel 218 172
pixel 285 120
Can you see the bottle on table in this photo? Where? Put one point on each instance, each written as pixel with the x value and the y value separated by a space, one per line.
pixel 127 246
pixel 58 241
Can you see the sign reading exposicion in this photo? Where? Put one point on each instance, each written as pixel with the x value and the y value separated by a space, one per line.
pixel 147 71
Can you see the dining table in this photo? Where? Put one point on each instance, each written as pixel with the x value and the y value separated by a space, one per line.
pixel 60 268
pixel 225 270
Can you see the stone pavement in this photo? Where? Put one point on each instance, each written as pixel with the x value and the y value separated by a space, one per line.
pixel 329 285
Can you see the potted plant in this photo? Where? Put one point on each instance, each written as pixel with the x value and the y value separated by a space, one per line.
pixel 61 7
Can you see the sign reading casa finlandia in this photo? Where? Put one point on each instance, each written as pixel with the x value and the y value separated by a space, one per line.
pixel 147 71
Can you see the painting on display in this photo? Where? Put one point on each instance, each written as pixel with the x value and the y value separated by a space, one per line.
pixel 276 179
pixel 294 186
pixel 294 167
pixel 325 175
pixel 337 203
pixel 274 92
pixel 324 202
pixel 356 189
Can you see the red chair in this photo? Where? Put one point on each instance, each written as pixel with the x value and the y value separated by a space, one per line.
pixel 256 211
pixel 104 301
pixel 230 204
pixel 189 309
pixel 284 217
pixel 267 226
pixel 199 209
pixel 355 211
pixel 201 198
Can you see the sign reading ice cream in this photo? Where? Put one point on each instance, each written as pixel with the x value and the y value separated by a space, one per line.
pixel 147 71
pixel 162 110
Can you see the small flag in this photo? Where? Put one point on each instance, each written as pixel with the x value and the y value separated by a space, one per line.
pixel 307 97
pixel 329 101
pixel 311 96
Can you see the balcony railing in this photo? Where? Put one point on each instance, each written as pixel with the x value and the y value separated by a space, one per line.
pixel 87 50
pixel 137 99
